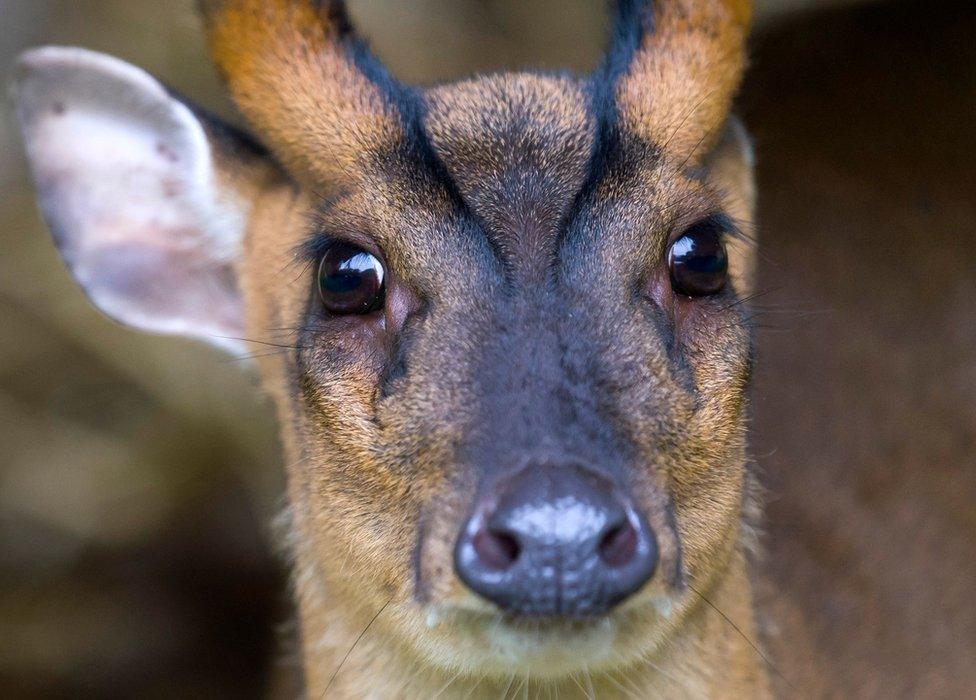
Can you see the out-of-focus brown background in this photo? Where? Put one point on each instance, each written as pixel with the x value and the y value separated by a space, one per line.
pixel 139 475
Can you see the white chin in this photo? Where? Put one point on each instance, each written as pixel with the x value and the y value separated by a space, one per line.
pixel 548 650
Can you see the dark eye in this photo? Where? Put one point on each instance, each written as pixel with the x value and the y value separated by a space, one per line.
pixel 350 280
pixel 698 262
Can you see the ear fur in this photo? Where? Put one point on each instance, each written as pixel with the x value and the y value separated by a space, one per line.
pixel 685 59
pixel 306 85
pixel 129 181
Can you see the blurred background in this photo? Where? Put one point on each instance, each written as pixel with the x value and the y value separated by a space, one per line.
pixel 139 476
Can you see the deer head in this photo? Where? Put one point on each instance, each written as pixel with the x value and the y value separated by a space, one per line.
pixel 514 356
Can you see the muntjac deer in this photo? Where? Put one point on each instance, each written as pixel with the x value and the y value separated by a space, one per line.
pixel 514 344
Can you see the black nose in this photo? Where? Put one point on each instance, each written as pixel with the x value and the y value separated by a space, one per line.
pixel 555 541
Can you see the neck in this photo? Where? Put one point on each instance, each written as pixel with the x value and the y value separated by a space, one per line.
pixel 711 655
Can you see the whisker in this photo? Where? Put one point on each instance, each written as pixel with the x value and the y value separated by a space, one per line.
pixel 628 690
pixel 691 110
pixel 674 132
pixel 619 686
pixel 297 462
pixel 693 153
pixel 792 311
pixel 295 329
pixel 579 685
pixel 742 634
pixel 679 202
pixel 261 342
pixel 671 677
pixel 508 687
pixel 747 299
pixel 253 356
pixel 747 322
pixel 448 685
pixel 590 692
pixel 472 689
pixel 408 682
pixel 354 644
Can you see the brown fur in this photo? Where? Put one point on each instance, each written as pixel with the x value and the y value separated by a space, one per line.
pixel 694 60
pixel 290 68
pixel 855 522
pixel 376 489
pixel 524 223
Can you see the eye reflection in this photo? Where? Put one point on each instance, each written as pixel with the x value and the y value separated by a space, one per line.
pixel 350 280
pixel 698 261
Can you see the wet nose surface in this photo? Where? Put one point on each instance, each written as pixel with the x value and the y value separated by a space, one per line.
pixel 555 540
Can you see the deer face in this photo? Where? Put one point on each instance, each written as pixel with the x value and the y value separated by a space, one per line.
pixel 513 359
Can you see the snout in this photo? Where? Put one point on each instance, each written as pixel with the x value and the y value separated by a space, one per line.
pixel 555 541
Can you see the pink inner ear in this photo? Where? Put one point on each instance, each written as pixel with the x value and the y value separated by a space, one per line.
pixel 127 186
pixel 165 290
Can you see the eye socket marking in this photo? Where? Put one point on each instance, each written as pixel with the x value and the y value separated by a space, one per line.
pixel 351 281
pixel 698 261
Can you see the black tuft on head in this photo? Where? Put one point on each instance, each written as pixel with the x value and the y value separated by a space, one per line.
pixel 632 19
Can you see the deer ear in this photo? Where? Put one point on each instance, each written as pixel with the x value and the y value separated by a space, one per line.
pixel 147 201
pixel 730 170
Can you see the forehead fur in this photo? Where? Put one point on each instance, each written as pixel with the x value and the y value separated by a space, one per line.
pixel 518 148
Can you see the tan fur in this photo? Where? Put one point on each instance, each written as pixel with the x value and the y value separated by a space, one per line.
pixel 370 477
pixel 686 73
pixel 340 590
pixel 293 77
pixel 868 587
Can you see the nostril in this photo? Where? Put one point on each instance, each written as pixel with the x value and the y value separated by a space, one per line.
pixel 496 550
pixel 619 545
